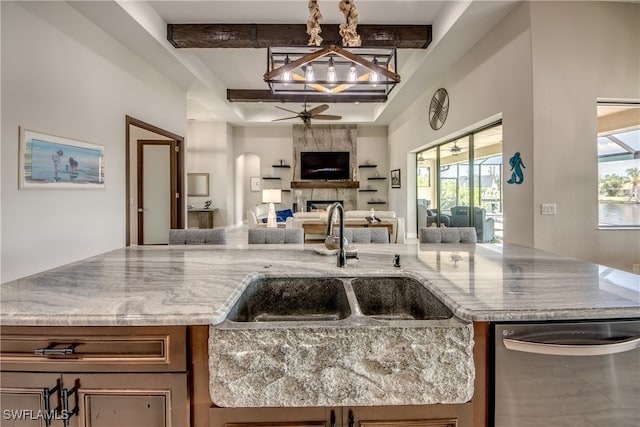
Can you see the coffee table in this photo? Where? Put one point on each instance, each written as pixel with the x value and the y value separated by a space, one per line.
pixel 320 227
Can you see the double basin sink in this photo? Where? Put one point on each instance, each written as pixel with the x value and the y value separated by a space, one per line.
pixel 307 299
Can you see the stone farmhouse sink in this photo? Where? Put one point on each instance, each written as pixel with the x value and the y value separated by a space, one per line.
pixel 292 341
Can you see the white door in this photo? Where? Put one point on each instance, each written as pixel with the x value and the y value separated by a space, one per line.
pixel 156 193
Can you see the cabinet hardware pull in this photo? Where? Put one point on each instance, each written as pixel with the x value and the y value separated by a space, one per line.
pixel 65 403
pixel 351 419
pixel 603 348
pixel 52 351
pixel 46 397
pixel 333 418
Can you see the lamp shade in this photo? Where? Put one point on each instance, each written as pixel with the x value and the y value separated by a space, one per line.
pixel 271 196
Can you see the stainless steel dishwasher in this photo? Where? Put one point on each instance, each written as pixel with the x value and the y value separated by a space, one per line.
pixel 583 374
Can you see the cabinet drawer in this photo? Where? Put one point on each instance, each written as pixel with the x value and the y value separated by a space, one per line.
pixel 93 349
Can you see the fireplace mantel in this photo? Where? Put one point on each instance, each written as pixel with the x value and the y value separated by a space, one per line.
pixel 325 184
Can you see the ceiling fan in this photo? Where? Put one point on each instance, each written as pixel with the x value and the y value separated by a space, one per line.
pixel 455 150
pixel 306 115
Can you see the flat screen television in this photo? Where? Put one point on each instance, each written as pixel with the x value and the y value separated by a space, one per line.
pixel 324 165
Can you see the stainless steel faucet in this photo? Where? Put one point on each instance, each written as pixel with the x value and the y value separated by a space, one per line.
pixel 342 252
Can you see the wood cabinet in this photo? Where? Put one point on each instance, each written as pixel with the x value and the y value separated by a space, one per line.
pixel 380 416
pixel 94 377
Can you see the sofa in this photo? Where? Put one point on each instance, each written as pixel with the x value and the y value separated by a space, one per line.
pixel 258 215
pixel 484 226
pixel 397 235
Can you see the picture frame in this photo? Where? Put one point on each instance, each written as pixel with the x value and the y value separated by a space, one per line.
pixel 55 162
pixel 395 178
pixel 254 183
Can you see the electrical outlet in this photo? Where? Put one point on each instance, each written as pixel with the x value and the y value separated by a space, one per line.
pixel 548 209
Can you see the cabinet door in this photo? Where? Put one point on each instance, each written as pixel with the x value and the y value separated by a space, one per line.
pixel 128 400
pixel 274 417
pixel 22 398
pixel 441 415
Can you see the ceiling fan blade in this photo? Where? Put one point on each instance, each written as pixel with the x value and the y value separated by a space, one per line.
pixel 319 109
pixel 285 118
pixel 326 117
pixel 289 111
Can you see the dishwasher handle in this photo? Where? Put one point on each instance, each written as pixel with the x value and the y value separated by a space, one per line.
pixel 605 348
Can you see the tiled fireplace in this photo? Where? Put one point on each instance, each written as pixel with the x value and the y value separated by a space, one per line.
pixel 317 192
pixel 315 205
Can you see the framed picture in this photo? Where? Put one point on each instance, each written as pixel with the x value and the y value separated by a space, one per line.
pixel 48 161
pixel 254 183
pixel 395 178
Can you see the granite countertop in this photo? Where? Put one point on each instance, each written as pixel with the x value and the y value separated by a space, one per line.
pixel 197 285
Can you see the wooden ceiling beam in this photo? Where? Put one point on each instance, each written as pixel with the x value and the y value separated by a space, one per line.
pixel 220 36
pixel 257 95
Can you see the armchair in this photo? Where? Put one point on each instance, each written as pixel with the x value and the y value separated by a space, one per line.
pixel 484 226
pixel 432 218
pixel 423 208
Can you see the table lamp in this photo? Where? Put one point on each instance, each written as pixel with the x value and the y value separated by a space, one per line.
pixel 271 197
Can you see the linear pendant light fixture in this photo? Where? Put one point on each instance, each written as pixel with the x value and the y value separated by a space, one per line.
pixel 343 71
pixel 331 70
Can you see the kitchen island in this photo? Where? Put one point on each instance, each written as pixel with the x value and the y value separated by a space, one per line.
pixel 195 285
pixel 154 287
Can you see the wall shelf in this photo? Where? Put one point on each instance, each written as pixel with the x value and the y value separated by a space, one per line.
pixel 376 177
pixel 368 190
pixel 325 184
pixel 376 203
pixel 280 166
pixel 271 177
pixel 367 166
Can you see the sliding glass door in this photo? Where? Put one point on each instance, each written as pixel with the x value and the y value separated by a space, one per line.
pixel 456 197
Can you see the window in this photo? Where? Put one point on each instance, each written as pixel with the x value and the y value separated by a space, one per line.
pixel 618 165
pixel 462 176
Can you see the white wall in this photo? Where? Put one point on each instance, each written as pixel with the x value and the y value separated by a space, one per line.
pixel 64 76
pixel 493 80
pixel 247 165
pixel 576 61
pixel 208 146
pixel 270 144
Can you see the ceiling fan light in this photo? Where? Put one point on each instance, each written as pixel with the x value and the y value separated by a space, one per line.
pixel 309 75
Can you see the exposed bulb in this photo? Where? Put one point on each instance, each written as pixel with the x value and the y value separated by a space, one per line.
pixel 331 72
pixel 286 76
pixel 353 73
pixel 374 76
pixel 309 74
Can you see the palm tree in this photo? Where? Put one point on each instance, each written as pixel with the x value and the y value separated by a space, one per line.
pixel 633 177
pixel 610 185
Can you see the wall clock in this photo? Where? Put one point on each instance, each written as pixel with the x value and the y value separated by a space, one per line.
pixel 438 109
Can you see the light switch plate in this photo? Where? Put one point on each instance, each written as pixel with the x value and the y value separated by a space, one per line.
pixel 548 208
